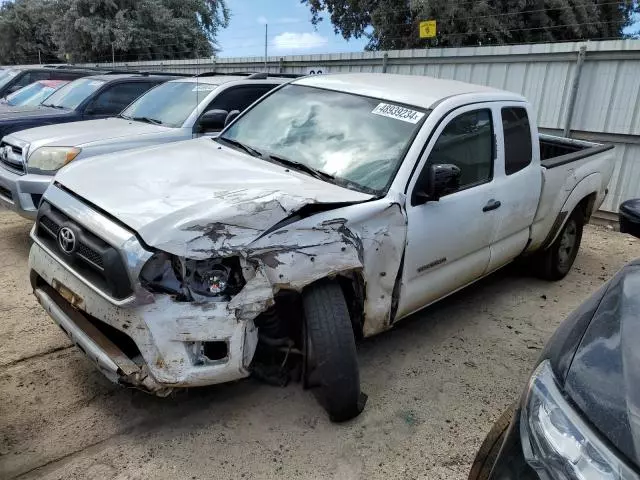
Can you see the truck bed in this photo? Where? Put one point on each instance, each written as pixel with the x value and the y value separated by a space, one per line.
pixel 556 151
pixel 566 163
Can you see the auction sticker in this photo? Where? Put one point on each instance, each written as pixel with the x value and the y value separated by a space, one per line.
pixel 398 112
pixel 203 88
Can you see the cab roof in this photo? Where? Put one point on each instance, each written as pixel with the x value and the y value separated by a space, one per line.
pixel 417 90
pixel 220 79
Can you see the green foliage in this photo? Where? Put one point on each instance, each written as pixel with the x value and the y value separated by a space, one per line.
pixel 393 24
pixel 25 29
pixel 93 30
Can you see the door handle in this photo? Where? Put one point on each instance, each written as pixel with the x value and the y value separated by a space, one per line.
pixel 491 205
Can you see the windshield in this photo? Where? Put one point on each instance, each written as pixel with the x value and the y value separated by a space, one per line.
pixel 73 94
pixel 7 76
pixel 356 139
pixel 30 95
pixel 169 104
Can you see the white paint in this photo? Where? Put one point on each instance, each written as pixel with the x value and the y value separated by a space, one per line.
pixel 207 200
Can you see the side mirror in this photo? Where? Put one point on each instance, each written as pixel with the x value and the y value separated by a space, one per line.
pixel 629 217
pixel 213 120
pixel 231 117
pixel 440 179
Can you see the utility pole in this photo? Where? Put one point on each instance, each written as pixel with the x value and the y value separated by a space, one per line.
pixel 39 57
pixel 265 46
pixel 113 55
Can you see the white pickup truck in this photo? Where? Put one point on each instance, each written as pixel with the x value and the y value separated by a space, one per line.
pixel 330 210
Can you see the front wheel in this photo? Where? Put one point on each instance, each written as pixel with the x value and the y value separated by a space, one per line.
pixel 555 262
pixel 330 358
pixel 488 453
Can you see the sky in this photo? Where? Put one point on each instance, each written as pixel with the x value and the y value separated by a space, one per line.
pixel 290 31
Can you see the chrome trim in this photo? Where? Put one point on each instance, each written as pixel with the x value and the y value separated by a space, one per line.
pixel 76 334
pixel 131 300
pixel 79 255
pixel 124 241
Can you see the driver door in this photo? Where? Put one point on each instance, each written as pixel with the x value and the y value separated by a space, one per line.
pixel 449 240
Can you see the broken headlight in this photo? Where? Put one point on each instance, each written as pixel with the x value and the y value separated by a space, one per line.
pixel 216 279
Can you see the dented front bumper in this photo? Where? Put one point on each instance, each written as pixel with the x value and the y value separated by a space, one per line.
pixel 169 336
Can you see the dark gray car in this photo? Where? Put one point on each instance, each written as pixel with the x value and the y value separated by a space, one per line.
pixel 579 416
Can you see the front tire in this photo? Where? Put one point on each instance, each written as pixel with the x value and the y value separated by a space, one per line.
pixel 330 359
pixel 555 262
pixel 488 453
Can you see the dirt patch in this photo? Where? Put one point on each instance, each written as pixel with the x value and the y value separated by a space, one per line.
pixel 435 383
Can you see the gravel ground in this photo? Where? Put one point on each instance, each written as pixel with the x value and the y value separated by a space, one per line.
pixel 435 384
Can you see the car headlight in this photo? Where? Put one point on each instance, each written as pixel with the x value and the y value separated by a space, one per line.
pixel 216 279
pixel 51 159
pixel 557 443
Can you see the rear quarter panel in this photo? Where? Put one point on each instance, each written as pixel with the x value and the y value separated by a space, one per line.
pixel 563 188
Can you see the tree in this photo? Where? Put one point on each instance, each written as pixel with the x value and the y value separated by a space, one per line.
pixel 25 33
pixel 138 29
pixel 394 24
pixel 94 30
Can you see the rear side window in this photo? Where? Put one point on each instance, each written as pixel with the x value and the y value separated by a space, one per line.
pixel 467 142
pixel 517 139
pixel 114 99
pixel 239 98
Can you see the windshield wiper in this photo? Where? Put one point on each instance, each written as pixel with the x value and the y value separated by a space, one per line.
pixel 153 121
pixel 54 106
pixel 314 172
pixel 250 150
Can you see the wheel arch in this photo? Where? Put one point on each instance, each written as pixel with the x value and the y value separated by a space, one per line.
pixel 583 196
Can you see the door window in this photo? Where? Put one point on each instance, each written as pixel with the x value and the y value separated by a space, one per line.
pixel 517 139
pixel 114 99
pixel 467 142
pixel 239 98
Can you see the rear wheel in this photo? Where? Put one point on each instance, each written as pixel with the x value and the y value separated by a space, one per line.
pixel 555 262
pixel 486 456
pixel 330 358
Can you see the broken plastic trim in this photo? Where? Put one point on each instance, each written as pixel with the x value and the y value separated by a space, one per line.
pixel 216 279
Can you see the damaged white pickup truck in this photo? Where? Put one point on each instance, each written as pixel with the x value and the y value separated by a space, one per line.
pixel 329 210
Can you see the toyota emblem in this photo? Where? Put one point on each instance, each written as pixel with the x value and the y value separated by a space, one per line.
pixel 67 240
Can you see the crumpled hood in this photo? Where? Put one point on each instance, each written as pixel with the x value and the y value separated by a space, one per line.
pixel 77 134
pixel 604 377
pixel 197 198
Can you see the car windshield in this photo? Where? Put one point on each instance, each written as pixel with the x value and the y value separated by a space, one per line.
pixel 6 76
pixel 360 141
pixel 169 104
pixel 73 94
pixel 30 95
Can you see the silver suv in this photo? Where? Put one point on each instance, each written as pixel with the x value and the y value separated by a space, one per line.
pixel 177 110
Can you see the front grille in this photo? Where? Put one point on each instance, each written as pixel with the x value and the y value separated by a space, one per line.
pixel 92 257
pixel 6 193
pixel 11 158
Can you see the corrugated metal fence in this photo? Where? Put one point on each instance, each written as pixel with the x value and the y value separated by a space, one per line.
pixel 604 79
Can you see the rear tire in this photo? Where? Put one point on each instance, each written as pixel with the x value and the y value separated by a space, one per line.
pixel 555 262
pixel 488 453
pixel 331 362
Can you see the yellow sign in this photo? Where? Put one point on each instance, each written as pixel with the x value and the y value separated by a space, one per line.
pixel 428 29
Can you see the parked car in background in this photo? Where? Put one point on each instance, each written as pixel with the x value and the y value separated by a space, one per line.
pixel 177 110
pixel 97 96
pixel 31 95
pixel 331 209
pixel 578 417
pixel 13 79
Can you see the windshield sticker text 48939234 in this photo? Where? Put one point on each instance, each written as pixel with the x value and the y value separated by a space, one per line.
pixel 398 112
